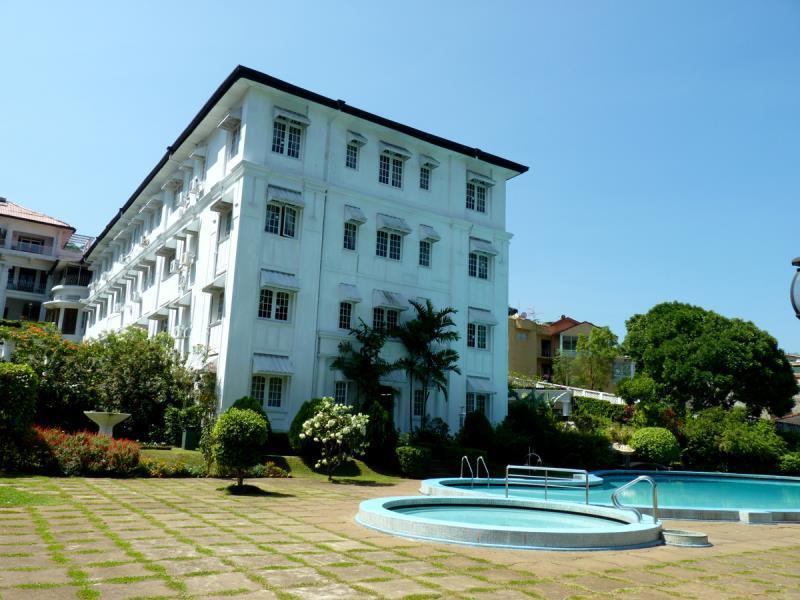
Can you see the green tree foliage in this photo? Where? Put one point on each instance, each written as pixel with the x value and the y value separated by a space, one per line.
pixel 428 359
pixel 414 461
pixel 656 445
pixel 238 441
pixel 565 371
pixel 594 359
pixel 639 389
pixel 701 359
pixel 18 387
pixel 363 364
pixel 249 403
pixel 338 433
pixel 730 440
pixel 304 447
pixel 477 432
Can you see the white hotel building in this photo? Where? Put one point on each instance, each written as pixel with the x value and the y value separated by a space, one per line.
pixel 280 217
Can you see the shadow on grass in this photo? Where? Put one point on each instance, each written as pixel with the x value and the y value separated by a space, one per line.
pixel 361 482
pixel 251 490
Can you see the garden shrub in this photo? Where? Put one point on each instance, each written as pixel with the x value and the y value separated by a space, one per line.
pixel 599 408
pixel 250 403
pixel 26 453
pixel 86 453
pixel 414 461
pixel 268 469
pixel 381 437
pixel 789 463
pixel 149 467
pixel 656 445
pixel 239 438
pixel 304 447
pixel 432 431
pixel 18 388
pixel 476 432
pixel 730 440
pixel 177 419
pixel 338 434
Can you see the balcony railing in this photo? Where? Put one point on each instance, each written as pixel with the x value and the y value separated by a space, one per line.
pixel 33 248
pixel 82 279
pixel 24 285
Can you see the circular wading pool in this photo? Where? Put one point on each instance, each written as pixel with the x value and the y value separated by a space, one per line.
pixel 509 522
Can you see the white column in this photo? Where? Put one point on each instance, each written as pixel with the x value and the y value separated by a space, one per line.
pixel 3 284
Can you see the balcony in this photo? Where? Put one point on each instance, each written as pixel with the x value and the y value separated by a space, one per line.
pixel 26 285
pixel 32 248
pixel 81 279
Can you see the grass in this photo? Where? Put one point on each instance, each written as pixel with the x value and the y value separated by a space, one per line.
pixel 10 496
pixel 175 456
pixel 354 472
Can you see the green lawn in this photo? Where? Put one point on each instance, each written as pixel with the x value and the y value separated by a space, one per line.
pixel 10 496
pixel 355 471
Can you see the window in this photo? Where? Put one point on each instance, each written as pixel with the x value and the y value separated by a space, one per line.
pixel 389 245
pixel 569 343
pixel 385 319
pixel 419 402
pixel 257 386
pixel 220 306
pixel 424 253
pixel 476 197
pixel 477 402
pixel 478 265
pixel 390 170
pixel 233 145
pixel 273 305
pixel 286 137
pixel 340 392
pixel 281 220
pixel 476 336
pixel 345 315
pixel 351 157
pixel 350 231
pixel 275 392
pixel 225 225
pixel 424 178
pixel 522 336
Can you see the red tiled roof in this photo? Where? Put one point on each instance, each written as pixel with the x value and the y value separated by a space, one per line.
pixel 15 211
pixel 562 324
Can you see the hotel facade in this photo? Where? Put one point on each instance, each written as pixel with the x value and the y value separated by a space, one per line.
pixel 280 218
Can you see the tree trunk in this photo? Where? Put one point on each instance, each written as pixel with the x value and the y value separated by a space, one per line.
pixel 411 403
pixel 239 480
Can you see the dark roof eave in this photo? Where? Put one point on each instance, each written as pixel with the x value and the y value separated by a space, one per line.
pixel 241 72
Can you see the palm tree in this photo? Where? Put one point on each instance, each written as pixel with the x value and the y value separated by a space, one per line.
pixel 428 359
pixel 364 365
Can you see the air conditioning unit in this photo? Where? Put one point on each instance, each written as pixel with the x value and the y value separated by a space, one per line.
pixel 145 241
pixel 173 265
pixel 187 258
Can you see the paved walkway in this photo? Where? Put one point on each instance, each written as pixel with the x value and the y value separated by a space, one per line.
pixel 185 538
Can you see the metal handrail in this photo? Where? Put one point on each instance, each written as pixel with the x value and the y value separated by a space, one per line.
pixel 537 480
pixel 465 459
pixel 528 459
pixel 478 464
pixel 615 500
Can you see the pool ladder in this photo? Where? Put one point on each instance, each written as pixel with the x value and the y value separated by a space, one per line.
pixel 615 496
pixel 476 474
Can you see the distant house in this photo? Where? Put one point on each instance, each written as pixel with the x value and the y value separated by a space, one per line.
pixel 532 346
pixel 42 277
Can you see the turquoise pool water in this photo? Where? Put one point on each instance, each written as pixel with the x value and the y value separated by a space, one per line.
pixel 675 490
pixel 491 516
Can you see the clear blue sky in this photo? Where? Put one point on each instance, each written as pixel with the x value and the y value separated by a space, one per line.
pixel 663 139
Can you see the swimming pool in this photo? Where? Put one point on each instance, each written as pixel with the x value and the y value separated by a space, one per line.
pixel 681 494
pixel 509 522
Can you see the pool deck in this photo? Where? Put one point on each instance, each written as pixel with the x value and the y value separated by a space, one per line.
pixel 185 538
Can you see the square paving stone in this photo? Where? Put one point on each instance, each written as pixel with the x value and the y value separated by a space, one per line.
pixel 127 570
pixel 328 592
pixel 397 588
pixel 55 575
pixel 136 589
pixel 263 561
pixel 59 593
pixel 220 582
pixel 358 572
pixel 194 565
pixel 302 576
pixel 454 583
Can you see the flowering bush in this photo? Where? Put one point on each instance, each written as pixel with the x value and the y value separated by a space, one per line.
pixel 338 433
pixel 149 467
pixel 86 453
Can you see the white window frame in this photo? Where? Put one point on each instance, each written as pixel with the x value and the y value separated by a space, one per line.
pixel 478 336
pixel 418 403
pixel 477 402
pixel 234 139
pixel 268 310
pixel 381 317
pixel 425 253
pixel 262 388
pixel 350 234
pixel 386 243
pixel 352 155
pixel 480 266
pixel 284 213
pixel 477 197
pixel 390 170
pixel 349 318
pixel 425 173
pixel 283 130
pixel 341 392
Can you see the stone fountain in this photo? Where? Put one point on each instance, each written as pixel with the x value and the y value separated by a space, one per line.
pixel 106 420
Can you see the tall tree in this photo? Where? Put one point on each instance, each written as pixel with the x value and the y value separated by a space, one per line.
pixel 701 359
pixel 363 363
pixel 428 358
pixel 594 360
